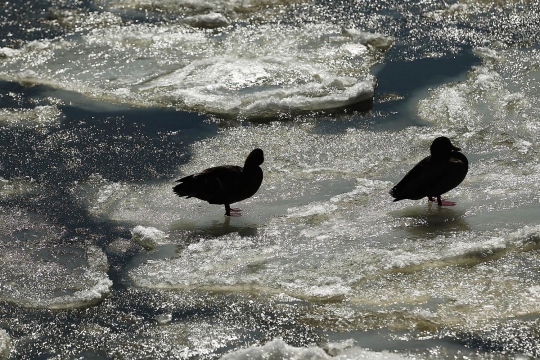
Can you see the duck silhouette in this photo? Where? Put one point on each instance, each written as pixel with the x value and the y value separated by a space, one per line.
pixel 225 184
pixel 435 175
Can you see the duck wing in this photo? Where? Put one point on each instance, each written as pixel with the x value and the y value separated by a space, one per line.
pixel 413 184
pixel 431 178
pixel 217 185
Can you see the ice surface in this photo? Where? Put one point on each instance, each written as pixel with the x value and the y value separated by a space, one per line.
pixel 207 21
pixel 46 284
pixel 192 339
pixel 356 246
pixel 261 71
pixel 36 272
pixel 4 344
pixel 237 7
pixel 37 117
pixel 322 230
pixel 278 349
pixel 8 52
pixel 148 237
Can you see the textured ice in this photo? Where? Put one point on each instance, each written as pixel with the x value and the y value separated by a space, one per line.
pixel 322 238
pixel 4 344
pixel 377 41
pixel 278 349
pixel 148 237
pixel 352 245
pixel 260 71
pixel 36 272
pixel 52 285
pixel 163 319
pixel 309 243
pixel 231 6
pixel 42 284
pixel 37 117
pixel 323 227
pixel 8 52
pixel 190 340
pixel 207 21
pixel 488 96
pixel 332 254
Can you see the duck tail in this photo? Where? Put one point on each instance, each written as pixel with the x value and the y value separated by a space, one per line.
pixel 184 189
pixel 393 192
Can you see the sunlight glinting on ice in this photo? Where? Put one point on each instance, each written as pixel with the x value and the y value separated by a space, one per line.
pixel 361 224
pixel 248 71
pixel 335 220
pixel 37 117
pixel 49 278
pixel 345 241
pixel 278 349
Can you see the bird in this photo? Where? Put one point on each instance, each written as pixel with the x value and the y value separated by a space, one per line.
pixel 225 184
pixel 434 175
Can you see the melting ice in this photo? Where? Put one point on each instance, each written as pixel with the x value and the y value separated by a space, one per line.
pixel 321 237
pixel 247 71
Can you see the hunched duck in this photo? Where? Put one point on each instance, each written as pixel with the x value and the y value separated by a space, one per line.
pixel 435 175
pixel 225 184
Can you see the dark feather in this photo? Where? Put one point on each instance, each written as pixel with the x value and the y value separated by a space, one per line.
pixel 435 175
pixel 226 184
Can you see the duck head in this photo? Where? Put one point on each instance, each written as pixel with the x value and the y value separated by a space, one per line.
pixel 255 158
pixel 442 147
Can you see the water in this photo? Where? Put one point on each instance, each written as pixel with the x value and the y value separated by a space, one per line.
pixel 105 103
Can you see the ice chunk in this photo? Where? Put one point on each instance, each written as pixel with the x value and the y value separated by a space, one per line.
pixel 207 21
pixel 377 41
pixel 6 52
pixel 148 237
pixel 36 272
pixel 279 69
pixel 278 349
pixel 4 344
pixel 163 319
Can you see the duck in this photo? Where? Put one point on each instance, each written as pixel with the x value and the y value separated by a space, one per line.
pixel 225 184
pixel 434 175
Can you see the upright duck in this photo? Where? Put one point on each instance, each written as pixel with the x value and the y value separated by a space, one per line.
pixel 225 184
pixel 434 175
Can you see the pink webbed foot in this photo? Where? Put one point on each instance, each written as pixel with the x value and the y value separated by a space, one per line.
pixel 232 211
pixel 236 212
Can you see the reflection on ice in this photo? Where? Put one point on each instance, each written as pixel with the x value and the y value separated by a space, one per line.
pixel 54 278
pixel 216 226
pixel 428 220
pixel 261 71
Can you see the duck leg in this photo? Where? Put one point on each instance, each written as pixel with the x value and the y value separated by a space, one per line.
pixel 442 202
pixel 235 212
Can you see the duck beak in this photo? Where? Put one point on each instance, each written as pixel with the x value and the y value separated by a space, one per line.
pixel 455 148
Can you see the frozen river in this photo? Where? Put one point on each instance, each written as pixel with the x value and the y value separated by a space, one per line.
pixel 105 103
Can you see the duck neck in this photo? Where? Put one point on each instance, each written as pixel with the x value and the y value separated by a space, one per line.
pixel 250 165
pixel 441 157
